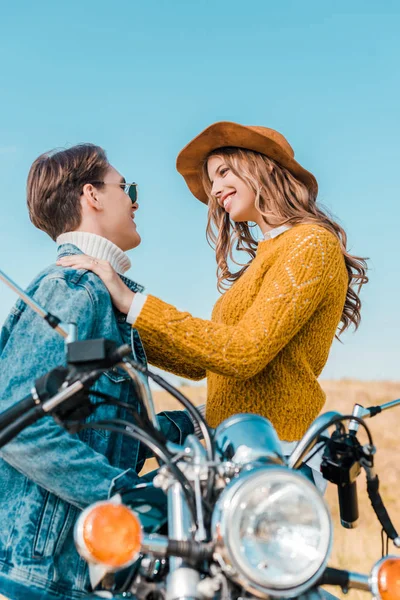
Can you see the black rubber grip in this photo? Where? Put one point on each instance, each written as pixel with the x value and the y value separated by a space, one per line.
pixel 348 503
pixel 374 410
pixel 11 414
pixel 10 432
pixel 335 577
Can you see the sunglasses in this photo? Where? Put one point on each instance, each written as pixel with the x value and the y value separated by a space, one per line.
pixel 130 189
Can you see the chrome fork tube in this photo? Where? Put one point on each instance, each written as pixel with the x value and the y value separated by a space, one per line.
pixel 179 520
pixel 182 580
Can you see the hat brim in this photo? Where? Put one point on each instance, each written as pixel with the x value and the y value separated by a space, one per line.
pixel 224 134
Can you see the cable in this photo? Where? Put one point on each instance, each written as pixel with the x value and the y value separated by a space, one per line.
pixel 143 424
pixel 385 543
pixel 141 420
pixel 361 422
pixel 339 419
pixel 192 410
pixel 323 443
pixel 147 440
pixel 194 413
pixel 111 400
pixel 378 506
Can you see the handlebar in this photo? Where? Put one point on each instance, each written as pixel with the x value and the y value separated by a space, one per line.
pixel 345 579
pixel 45 387
pixel 49 392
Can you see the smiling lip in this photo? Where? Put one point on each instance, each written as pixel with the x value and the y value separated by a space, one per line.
pixel 226 201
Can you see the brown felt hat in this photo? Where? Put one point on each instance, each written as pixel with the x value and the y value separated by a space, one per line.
pixel 250 137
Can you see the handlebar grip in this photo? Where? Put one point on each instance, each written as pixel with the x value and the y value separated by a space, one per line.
pixel 45 387
pixel 10 432
pixel 335 577
pixel 15 411
pixel 348 504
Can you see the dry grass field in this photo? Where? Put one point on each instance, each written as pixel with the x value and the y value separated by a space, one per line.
pixel 359 548
pixel 354 549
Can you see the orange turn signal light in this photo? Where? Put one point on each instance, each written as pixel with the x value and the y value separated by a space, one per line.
pixel 386 578
pixel 109 533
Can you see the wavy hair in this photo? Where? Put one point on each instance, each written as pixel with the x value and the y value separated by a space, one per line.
pixel 281 199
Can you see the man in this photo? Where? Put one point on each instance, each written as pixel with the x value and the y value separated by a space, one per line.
pixel 47 475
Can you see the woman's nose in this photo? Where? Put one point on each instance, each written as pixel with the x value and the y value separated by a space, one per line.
pixel 216 189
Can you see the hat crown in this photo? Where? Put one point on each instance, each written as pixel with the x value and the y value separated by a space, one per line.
pixel 225 134
pixel 277 137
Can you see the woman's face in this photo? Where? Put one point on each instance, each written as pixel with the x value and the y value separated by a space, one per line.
pixel 231 192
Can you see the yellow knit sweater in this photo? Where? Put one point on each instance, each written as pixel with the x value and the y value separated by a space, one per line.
pixel 269 335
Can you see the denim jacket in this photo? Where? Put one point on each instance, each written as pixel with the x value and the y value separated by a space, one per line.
pixel 47 475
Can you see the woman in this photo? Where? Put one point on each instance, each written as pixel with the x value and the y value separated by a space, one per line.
pixel 270 333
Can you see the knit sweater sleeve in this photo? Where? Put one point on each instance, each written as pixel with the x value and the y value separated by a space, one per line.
pixel 167 356
pixel 291 291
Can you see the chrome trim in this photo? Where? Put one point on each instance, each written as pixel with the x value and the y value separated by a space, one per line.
pixel 310 438
pixel 221 521
pixel 249 438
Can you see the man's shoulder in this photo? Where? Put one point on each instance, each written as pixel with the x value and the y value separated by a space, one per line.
pixel 73 278
pixel 70 295
pixel 71 287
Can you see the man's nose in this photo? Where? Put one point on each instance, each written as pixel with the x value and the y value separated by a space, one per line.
pixel 135 206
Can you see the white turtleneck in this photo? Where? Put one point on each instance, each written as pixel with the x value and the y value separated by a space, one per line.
pixel 98 247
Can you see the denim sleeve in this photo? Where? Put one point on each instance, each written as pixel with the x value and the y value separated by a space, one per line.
pixel 176 425
pixel 44 452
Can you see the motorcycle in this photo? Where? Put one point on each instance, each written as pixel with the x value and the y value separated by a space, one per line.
pixel 229 519
pixel 260 529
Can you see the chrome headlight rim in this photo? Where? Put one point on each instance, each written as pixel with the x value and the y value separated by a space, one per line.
pixel 221 520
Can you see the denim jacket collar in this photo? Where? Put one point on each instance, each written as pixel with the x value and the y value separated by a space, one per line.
pixel 70 249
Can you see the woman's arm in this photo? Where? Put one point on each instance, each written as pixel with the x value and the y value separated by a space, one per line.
pixel 291 291
pixel 170 359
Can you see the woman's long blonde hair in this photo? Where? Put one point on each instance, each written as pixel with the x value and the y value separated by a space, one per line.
pixel 281 199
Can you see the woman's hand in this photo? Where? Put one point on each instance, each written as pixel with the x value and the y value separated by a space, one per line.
pixel 120 294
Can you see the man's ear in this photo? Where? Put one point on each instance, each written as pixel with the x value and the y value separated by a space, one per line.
pixel 91 195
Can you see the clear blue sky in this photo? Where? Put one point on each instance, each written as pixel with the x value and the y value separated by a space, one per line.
pixel 142 78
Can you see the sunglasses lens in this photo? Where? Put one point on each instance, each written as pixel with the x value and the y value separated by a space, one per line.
pixel 133 193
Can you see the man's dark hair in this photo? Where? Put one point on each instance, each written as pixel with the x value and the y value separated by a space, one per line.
pixel 55 183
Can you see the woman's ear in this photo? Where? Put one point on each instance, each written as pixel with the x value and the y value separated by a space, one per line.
pixel 91 195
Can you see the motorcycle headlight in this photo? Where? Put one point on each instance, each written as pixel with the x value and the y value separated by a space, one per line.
pixel 273 531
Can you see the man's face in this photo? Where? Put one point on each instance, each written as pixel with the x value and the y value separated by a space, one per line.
pixel 118 213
